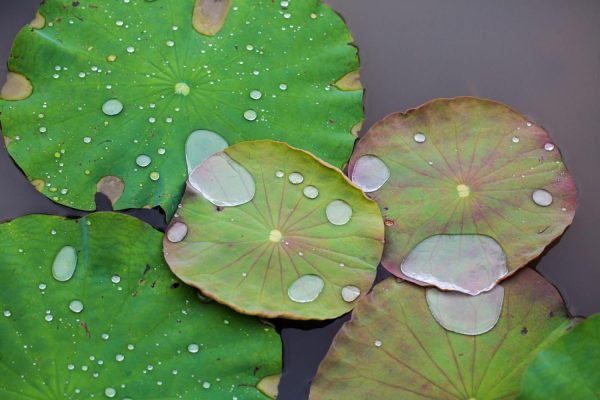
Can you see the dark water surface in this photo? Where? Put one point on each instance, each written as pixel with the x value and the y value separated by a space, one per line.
pixel 541 57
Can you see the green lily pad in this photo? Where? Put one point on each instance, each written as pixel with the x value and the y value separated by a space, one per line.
pixel 468 167
pixel 96 85
pixel 394 349
pixel 91 310
pixel 569 368
pixel 270 230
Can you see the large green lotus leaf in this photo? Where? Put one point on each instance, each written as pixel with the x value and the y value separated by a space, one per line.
pixel 569 368
pixel 95 84
pixel 464 166
pixel 301 243
pixel 122 326
pixel 393 348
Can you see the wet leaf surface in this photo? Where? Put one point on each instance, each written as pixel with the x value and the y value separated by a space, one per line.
pixel 120 324
pixel 117 80
pixel 304 243
pixel 465 166
pixel 392 346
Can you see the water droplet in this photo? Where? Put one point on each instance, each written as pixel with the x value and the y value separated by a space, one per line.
pixel 542 198
pixel 152 120
pixel 43 129
pixel 170 43
pixel 119 357
pixel 200 145
pixel 222 181
pixel 154 176
pixel 250 115
pixel 7 313
pixel 87 139
pixel 193 348
pixel 71 367
pixel 64 264
pixel 529 124
pixel 130 347
pixel 287 15
pixel 283 86
pixel 42 286
pixel 306 289
pixel 255 94
pixel 81 75
pixel 463 313
pixel 143 160
pixel 279 174
pixel 182 88
pixel 177 232
pixel 378 343
pixel 311 192
pixel 516 139
pixel 206 385
pixel 296 178
pixel 115 279
pixel 112 107
pixel 467 263
pixel 48 317
pixel 419 137
pixel 76 306
pixel 110 392
pixel 370 173
pixel 105 336
pixel 549 146
pixel 350 293
pixel 338 212
pixel 249 47
pixel 130 49
pixel 275 236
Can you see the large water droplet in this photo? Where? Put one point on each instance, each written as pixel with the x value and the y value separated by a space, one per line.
pixel 200 145
pixel 466 314
pixel 370 173
pixel 350 293
pixel 338 212
pixel 112 107
pixel 311 192
pixel 250 115
pixel 223 182
pixel 64 264
pixel 296 178
pixel 110 392
pixel 255 95
pixel 76 306
pixel 419 137
pixel 193 348
pixel 177 232
pixel 542 198
pixel 467 263
pixel 306 289
pixel 143 160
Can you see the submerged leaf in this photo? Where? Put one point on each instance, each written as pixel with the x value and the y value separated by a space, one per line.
pixel 395 349
pixel 464 166
pixel 116 80
pixel 569 368
pixel 119 324
pixel 304 243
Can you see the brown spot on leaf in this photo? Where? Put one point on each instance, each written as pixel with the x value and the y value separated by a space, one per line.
pixel 209 15
pixel 7 141
pixel 112 187
pixel 85 327
pixel 38 21
pixel 350 81
pixel 16 87
pixel 389 222
pixel 38 184
pixel 356 128
pixel 269 386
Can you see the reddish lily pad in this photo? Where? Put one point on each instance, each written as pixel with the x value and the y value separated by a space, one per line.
pixel 392 348
pixel 270 230
pixel 113 88
pixel 91 310
pixel 465 166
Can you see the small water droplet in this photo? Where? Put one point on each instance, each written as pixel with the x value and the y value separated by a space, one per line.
pixel 87 139
pixel 529 124
pixel 287 15
pixel 130 49
pixel 154 176
pixel 311 192
pixel 306 289
pixel 110 392
pixel 81 75
pixel 283 86
pixel 177 232
pixel 419 137
pixel 516 139
pixel 71 367
pixel 115 279
pixel 338 212
pixel 296 178
pixel 255 94
pixel 542 198
pixel 193 348
pixel 350 293
pixel 119 357
pixel 370 173
pixel 64 264
pixel 378 343
pixel 105 336
pixel 143 160
pixel 7 313
pixel 206 385
pixel 549 146
pixel 48 317
pixel 249 47
pixel 43 129
pixel 130 347
pixel 76 306
pixel 42 286
pixel 170 43
pixel 112 107
pixel 279 174
pixel 200 145
pixel 250 115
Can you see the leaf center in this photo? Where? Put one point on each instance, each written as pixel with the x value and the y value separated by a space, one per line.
pixel 182 88
pixel 463 190
pixel 275 236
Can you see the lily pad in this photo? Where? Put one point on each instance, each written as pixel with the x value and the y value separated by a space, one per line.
pixel 569 368
pixel 393 348
pixel 91 310
pixel 96 85
pixel 270 230
pixel 470 167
